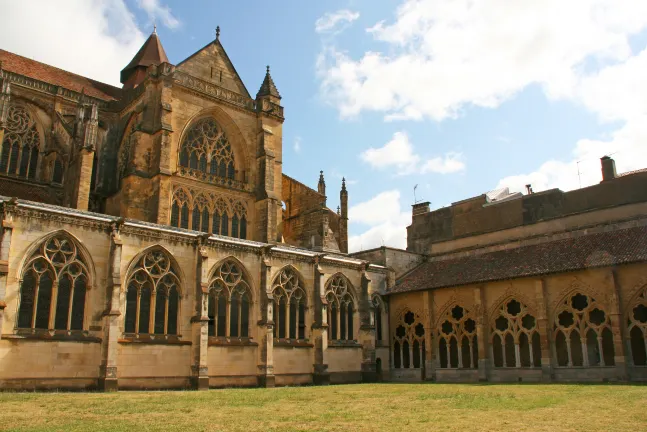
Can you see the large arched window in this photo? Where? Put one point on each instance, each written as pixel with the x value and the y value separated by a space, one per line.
pixel 153 296
pixel 515 339
pixel 409 342
pixel 378 310
pixel 206 149
pixel 229 302
pixel 457 341
pixel 21 144
pixel 53 287
pixel 289 299
pixel 582 333
pixel 341 309
pixel 637 322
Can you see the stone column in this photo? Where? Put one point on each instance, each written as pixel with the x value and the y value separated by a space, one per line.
pixel 265 377
pixel 321 376
pixel 481 334
pixel 200 321
pixel 618 329
pixel 112 316
pixel 544 330
pixel 5 246
pixel 367 330
pixel 428 308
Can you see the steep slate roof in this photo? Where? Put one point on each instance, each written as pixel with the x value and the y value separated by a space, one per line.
pixel 152 52
pixel 53 75
pixel 588 251
pixel 268 88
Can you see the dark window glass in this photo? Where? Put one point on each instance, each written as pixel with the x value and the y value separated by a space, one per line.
pixel 78 304
pixel 224 225
pixel 233 317
pixel 27 293
pixel 205 220
pixel 131 310
pixel 244 318
pixel 24 162
pixel 193 160
pixel 160 312
pixel 63 303
pixel 222 315
pixel 175 215
pixel 230 170
pixel 293 320
pixel 173 310
pixel 302 320
pixel 211 311
pixel 203 163
pixel 282 313
pixel 44 301
pixel 57 177
pixel 4 160
pixel 215 223
pixel 13 160
pixel 243 228
pixel 234 226
pixel 145 310
pixel 184 220
pixel 195 223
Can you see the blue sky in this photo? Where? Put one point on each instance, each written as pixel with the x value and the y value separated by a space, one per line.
pixel 458 97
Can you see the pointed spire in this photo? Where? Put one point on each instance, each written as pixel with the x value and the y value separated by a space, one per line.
pixel 338 210
pixel 151 52
pixel 321 188
pixel 343 184
pixel 218 33
pixel 268 88
pixel 154 28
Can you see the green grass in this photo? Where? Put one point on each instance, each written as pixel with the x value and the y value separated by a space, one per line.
pixel 349 408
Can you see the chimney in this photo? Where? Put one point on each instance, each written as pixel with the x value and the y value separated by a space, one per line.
pixel 608 168
pixel 529 188
pixel 420 208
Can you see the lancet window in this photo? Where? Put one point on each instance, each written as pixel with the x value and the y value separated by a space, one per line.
pixel 208 213
pixel 53 287
pixel 229 302
pixel 637 322
pixel 409 343
pixel 582 332
pixel 153 296
pixel 206 148
pixel 457 341
pixel 21 144
pixel 289 299
pixel 341 309
pixel 378 310
pixel 515 339
pixel 57 172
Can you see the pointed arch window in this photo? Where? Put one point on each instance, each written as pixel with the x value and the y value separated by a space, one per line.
pixel 57 174
pixel 515 339
pixel 457 341
pixel 153 296
pixel 637 326
pixel 229 303
pixel 180 208
pixel 206 148
pixel 289 306
pixel 53 288
pixel 378 311
pixel 582 332
pixel 21 144
pixel 409 342
pixel 341 309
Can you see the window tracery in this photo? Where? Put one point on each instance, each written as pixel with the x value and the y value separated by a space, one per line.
pixel 457 341
pixel 582 332
pixel 153 296
pixel 229 302
pixel 207 212
pixel 21 144
pixel 341 309
pixel 515 339
pixel 637 325
pixel 205 148
pixel 409 342
pixel 53 287
pixel 289 299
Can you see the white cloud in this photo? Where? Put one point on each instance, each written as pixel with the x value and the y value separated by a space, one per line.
pixel 109 34
pixel 399 153
pixel 156 13
pixel 444 55
pixel 297 145
pixel 386 220
pixel 334 22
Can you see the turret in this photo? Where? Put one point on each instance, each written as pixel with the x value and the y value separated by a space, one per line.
pixel 321 187
pixel 152 52
pixel 343 222
pixel 268 90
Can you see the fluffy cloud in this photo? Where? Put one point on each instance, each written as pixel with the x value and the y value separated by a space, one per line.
pixel 109 34
pixel 399 154
pixel 386 220
pixel 334 22
pixel 443 55
pixel 158 13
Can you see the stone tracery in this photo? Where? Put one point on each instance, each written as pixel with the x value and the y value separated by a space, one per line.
pixel 229 302
pixel 457 340
pixel 582 332
pixel 153 296
pixel 637 326
pixel 341 309
pixel 21 144
pixel 289 299
pixel 514 336
pixel 53 288
pixel 207 149
pixel 409 342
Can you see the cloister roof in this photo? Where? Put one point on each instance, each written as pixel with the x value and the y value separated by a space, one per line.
pixel 587 251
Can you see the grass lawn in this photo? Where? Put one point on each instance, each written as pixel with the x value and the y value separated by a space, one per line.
pixel 362 407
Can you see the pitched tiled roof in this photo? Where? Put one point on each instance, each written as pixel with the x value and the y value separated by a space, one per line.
pixel 593 250
pixel 151 52
pixel 642 170
pixel 52 75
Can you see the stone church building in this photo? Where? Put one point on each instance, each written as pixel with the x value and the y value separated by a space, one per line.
pixel 150 239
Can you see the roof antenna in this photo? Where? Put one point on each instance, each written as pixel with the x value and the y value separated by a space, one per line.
pixel 415 200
